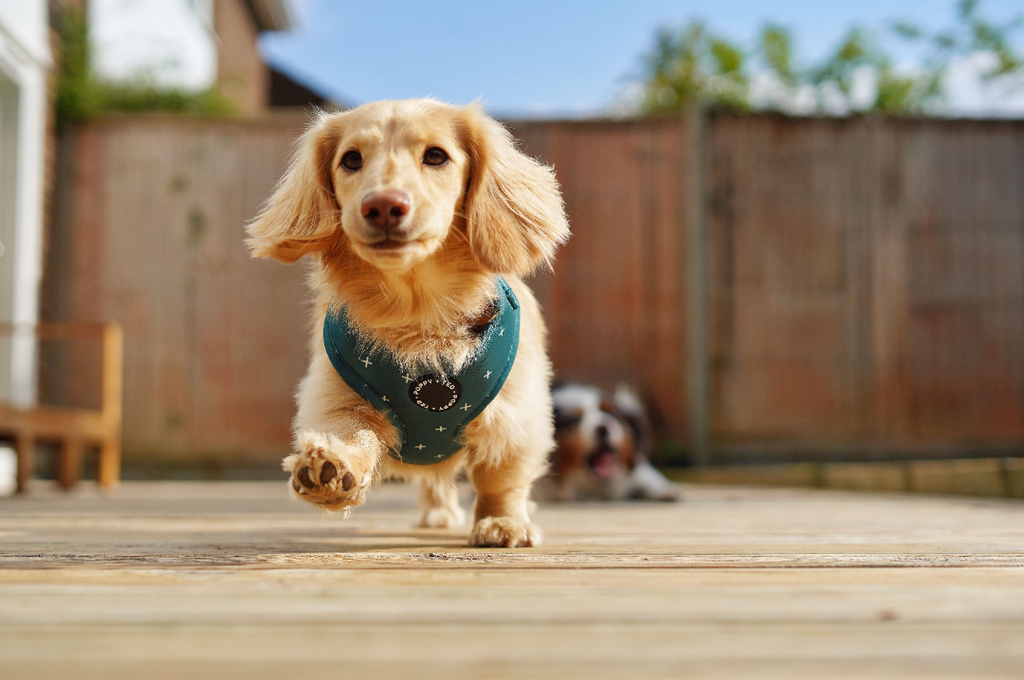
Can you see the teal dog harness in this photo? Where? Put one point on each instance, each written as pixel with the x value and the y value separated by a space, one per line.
pixel 429 410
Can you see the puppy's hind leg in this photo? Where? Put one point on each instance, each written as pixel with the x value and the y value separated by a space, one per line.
pixel 439 504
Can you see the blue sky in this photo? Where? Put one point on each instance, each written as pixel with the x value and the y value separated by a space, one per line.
pixel 537 58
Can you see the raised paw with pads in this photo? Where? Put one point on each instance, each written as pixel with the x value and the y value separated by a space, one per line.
pixel 328 472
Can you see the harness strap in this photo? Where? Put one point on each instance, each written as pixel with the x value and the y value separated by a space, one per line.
pixel 429 410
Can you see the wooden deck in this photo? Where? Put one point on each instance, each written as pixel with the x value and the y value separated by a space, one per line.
pixel 234 580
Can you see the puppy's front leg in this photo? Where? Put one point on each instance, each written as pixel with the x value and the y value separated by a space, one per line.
pixel 339 440
pixel 501 518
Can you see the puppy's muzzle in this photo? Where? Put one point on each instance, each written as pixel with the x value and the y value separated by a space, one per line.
pixel 385 211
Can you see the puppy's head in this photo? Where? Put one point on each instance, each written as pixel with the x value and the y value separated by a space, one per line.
pixel 395 182
pixel 596 447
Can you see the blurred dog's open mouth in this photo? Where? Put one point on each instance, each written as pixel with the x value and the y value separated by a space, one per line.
pixel 602 462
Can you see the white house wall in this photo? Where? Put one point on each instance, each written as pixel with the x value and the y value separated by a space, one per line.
pixel 167 43
pixel 24 61
pixel 24 23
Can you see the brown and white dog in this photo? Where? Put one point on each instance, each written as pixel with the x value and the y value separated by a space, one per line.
pixel 409 210
pixel 602 447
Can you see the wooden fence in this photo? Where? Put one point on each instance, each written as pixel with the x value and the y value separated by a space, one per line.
pixel 775 287
pixel 867 284
pixel 617 302
pixel 150 235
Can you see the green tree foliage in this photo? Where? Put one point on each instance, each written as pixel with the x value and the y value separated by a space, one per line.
pixel 691 64
pixel 82 96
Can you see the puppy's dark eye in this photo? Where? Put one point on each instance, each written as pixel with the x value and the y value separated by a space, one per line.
pixel 565 419
pixel 352 160
pixel 435 155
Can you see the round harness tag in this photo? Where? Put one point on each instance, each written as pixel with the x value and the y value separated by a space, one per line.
pixel 435 393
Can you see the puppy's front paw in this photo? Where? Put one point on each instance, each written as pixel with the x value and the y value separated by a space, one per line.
pixel 504 532
pixel 328 472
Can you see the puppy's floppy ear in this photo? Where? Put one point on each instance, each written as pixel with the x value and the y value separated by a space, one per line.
pixel 514 213
pixel 301 216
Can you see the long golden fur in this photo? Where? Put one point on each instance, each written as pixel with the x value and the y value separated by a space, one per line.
pixel 417 285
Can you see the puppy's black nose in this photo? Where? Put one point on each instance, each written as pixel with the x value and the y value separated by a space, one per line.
pixel 385 209
pixel 602 432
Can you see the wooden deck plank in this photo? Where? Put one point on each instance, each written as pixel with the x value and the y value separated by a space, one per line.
pixel 165 580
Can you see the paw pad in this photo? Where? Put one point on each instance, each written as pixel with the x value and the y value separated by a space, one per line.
pixel 329 472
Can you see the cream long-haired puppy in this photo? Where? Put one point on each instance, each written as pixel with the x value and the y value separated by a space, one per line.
pixel 420 218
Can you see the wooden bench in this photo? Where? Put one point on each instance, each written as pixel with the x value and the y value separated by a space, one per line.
pixel 72 428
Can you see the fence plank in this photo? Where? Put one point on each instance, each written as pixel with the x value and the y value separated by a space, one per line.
pixel 616 303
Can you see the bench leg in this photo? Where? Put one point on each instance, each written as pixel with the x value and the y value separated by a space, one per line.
pixel 110 463
pixel 25 444
pixel 69 463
